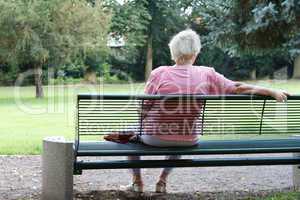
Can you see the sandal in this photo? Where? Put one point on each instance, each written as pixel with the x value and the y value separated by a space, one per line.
pixel 161 187
pixel 134 187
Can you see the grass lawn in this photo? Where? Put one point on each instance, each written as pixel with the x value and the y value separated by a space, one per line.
pixel 282 196
pixel 25 121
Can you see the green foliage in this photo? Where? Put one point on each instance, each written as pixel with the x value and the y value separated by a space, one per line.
pixel 168 18
pixel 129 21
pixel 238 36
pixel 273 24
pixel 252 26
pixel 74 70
pixel 93 60
pixel 256 34
pixel 52 32
pixel 8 74
pixel 65 81
pixel 106 71
pixel 137 21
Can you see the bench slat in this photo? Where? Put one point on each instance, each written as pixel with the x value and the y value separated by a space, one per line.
pixel 206 162
pixel 103 148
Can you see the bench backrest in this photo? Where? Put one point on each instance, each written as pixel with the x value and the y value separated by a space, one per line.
pixel 232 114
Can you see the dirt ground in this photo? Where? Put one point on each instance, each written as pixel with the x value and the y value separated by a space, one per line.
pixel 20 178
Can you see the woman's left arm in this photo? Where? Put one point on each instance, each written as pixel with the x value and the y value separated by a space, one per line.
pixel 242 88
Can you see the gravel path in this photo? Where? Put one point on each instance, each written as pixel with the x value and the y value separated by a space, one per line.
pixel 20 178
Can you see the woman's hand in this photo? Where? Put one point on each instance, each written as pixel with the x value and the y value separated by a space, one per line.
pixel 279 95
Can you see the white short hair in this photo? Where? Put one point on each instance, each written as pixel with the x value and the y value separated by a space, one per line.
pixel 185 43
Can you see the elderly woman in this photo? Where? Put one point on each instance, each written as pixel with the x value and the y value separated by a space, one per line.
pixel 185 78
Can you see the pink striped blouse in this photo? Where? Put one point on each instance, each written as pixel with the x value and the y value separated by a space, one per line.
pixel 181 79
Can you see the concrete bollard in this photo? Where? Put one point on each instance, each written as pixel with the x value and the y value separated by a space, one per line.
pixel 296 170
pixel 296 173
pixel 57 169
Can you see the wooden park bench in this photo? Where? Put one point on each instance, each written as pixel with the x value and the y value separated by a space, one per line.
pixel 276 126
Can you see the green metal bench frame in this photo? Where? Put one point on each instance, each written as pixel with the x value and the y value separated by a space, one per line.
pixel 290 124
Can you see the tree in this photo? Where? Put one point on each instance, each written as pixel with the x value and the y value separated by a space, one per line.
pixel 247 25
pixel 147 26
pixel 41 33
pixel 167 18
pixel 130 22
pixel 253 27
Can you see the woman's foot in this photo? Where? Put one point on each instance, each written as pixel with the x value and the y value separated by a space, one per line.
pixel 161 187
pixel 134 187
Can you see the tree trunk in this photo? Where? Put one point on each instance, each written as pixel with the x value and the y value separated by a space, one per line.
pixel 297 68
pixel 253 74
pixel 149 62
pixel 38 72
pixel 90 76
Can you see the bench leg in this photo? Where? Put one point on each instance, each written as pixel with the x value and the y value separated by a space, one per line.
pixel 57 169
pixel 296 173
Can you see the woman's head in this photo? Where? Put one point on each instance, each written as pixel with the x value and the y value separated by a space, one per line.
pixel 185 46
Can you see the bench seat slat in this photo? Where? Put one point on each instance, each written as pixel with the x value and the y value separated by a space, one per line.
pixel 104 148
pixel 206 162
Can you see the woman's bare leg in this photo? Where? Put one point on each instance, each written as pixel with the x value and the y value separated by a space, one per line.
pixel 166 171
pixel 162 182
pixel 136 173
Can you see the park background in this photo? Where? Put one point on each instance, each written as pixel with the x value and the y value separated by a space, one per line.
pixel 52 50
